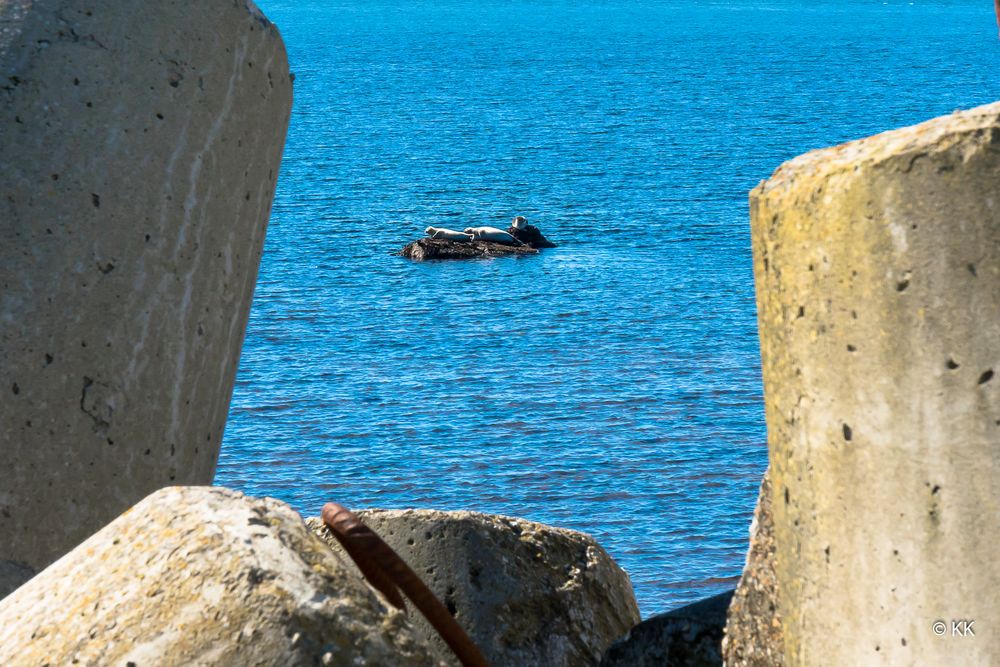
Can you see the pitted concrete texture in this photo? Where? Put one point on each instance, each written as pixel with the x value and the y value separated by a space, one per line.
pixel 753 625
pixel 526 593
pixel 877 269
pixel 204 576
pixel 140 147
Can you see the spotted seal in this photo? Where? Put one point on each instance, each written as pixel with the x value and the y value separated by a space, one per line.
pixel 491 234
pixel 447 234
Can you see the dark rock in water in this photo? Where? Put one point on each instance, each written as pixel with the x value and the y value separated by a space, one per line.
pixel 689 636
pixel 427 248
pixel 754 636
pixel 531 236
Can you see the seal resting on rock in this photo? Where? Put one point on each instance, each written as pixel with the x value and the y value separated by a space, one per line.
pixel 491 234
pixel 447 234
pixel 519 239
pixel 527 234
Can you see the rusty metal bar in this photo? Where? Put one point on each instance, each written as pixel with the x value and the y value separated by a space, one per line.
pixel 388 573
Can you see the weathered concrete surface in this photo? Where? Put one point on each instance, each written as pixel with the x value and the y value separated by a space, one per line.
pixel 204 576
pixel 877 268
pixel 689 636
pixel 140 147
pixel 753 625
pixel 526 593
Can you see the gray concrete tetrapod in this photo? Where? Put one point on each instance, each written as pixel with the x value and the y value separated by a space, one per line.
pixel 139 150
pixel 205 577
pixel 527 594
pixel 877 267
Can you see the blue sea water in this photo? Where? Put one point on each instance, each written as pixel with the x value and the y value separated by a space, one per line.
pixel 611 385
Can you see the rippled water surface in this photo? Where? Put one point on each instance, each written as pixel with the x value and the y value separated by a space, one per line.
pixel 611 385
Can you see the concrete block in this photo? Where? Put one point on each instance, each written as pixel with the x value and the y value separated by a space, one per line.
pixel 139 154
pixel 877 268
pixel 526 593
pixel 753 623
pixel 204 576
pixel 690 636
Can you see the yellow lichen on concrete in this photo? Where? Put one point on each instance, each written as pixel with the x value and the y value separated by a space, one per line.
pixel 876 267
